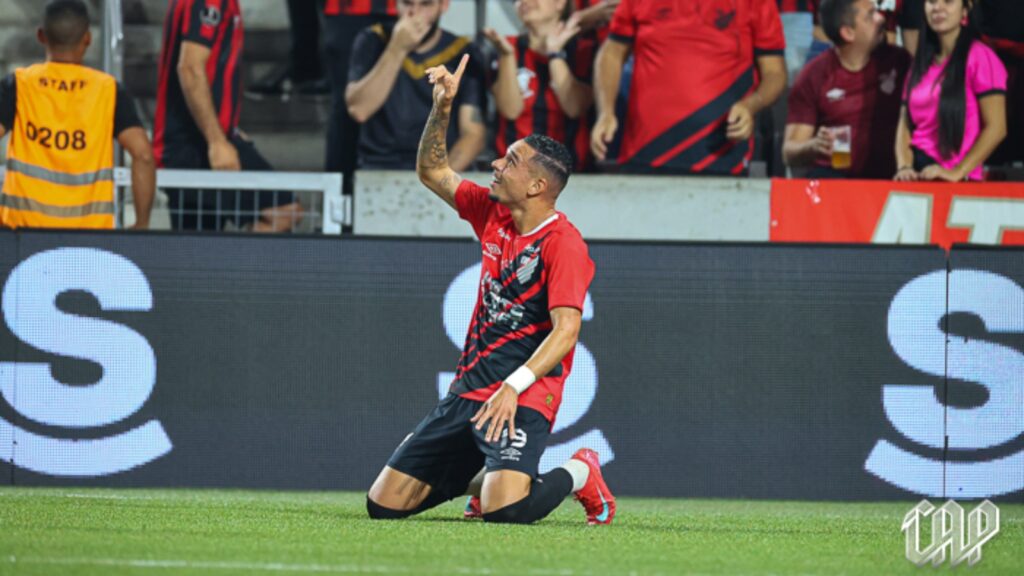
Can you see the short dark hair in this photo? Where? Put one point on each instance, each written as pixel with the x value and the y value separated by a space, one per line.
pixel 833 15
pixel 553 157
pixel 65 22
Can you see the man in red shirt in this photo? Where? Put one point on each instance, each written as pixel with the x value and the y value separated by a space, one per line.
pixel 905 16
pixel 857 84
pixel 702 71
pixel 519 349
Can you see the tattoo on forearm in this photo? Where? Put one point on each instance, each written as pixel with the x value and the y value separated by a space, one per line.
pixel 433 151
pixel 447 180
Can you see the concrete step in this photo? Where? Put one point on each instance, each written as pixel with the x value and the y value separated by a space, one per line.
pixel 266 115
pixel 263 49
pixel 292 150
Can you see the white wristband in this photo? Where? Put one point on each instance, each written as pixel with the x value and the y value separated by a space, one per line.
pixel 521 379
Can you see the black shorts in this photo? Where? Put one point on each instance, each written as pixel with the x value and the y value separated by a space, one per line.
pixel 195 209
pixel 446 450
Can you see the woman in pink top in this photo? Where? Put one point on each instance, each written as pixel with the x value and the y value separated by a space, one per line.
pixel 954 104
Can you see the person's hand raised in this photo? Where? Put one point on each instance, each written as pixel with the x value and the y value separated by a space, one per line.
pixel 409 31
pixel 562 33
pixel 446 84
pixel 500 43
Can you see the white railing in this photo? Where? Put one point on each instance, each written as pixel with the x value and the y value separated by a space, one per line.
pixel 335 209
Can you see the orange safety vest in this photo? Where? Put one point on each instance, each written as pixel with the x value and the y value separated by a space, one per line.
pixel 60 159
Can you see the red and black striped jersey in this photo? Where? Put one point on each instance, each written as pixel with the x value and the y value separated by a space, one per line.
pixel 692 62
pixel 361 7
pixel 216 24
pixel 542 114
pixel 523 278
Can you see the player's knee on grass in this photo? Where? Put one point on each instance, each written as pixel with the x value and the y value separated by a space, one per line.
pixel 546 493
pixel 378 512
pixel 518 513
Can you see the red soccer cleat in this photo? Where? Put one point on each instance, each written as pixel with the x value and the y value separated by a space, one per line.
pixel 473 510
pixel 595 496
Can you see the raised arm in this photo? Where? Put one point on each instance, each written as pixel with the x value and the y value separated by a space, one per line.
pixel 364 97
pixel 573 96
pixel 432 157
pixel 507 97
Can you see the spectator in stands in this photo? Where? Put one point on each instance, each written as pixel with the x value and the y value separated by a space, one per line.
pixel 695 92
pixel 388 93
pixel 344 20
pixel 905 16
pixel 955 99
pixel 857 85
pixel 304 72
pixel 63 119
pixel 1001 23
pixel 543 76
pixel 197 110
pixel 594 16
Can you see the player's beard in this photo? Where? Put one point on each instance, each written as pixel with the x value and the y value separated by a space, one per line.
pixel 430 33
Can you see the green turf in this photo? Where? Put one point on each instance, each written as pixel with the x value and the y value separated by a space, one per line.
pixel 93 531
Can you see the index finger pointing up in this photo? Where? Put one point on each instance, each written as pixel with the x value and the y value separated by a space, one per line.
pixel 462 67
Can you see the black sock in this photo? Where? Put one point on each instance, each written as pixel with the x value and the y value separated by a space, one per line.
pixel 546 493
pixel 378 512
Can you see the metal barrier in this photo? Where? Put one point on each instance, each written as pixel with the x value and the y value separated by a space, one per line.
pixel 325 209
pixel 113 39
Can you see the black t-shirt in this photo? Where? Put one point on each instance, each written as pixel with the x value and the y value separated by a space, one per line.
pixel 390 138
pixel 125 114
pixel 1001 19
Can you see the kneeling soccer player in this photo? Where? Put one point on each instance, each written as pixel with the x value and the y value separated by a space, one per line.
pixel 498 413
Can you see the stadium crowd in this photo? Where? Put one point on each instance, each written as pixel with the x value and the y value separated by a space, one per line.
pixel 891 89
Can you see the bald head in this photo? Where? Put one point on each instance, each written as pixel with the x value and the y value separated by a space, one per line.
pixel 65 24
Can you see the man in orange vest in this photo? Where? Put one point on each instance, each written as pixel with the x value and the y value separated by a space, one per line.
pixel 63 118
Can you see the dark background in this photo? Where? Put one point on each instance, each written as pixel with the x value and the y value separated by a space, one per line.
pixel 738 371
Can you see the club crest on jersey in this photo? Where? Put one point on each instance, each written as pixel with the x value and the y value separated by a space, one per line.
pixel 527 266
pixel 888 85
pixel 210 16
pixel 525 77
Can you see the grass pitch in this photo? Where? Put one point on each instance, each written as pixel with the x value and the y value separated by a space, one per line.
pixel 156 532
